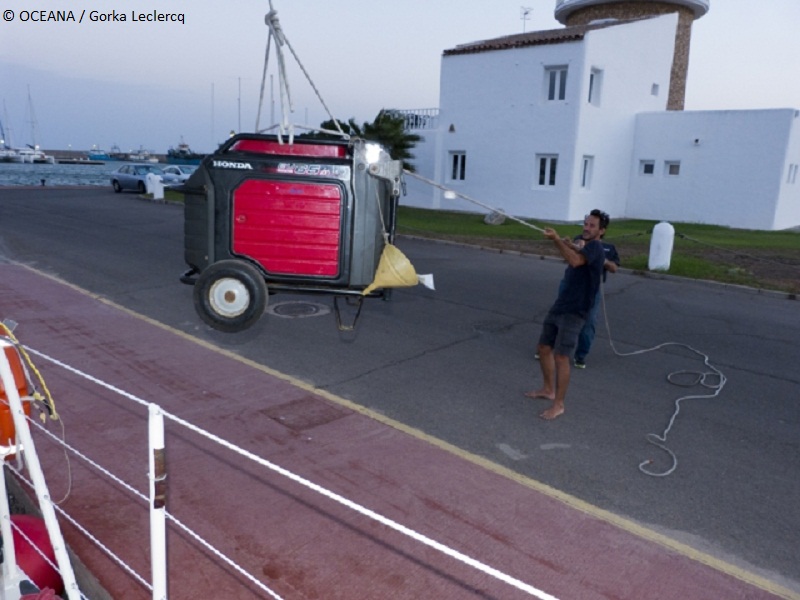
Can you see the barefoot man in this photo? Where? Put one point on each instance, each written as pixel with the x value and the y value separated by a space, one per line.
pixel 568 314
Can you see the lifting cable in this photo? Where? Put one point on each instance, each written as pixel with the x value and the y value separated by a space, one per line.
pixel 287 106
pixel 451 194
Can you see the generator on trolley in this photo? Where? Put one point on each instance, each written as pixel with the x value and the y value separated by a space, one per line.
pixel 264 216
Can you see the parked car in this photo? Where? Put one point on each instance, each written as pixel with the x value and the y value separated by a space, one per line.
pixel 177 174
pixel 134 177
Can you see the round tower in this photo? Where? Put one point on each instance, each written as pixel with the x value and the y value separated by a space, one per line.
pixel 583 12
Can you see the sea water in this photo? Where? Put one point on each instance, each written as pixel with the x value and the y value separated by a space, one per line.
pixel 57 174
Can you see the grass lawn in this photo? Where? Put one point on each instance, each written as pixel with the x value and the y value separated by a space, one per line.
pixel 761 259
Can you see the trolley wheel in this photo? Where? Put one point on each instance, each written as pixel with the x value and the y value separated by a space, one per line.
pixel 230 295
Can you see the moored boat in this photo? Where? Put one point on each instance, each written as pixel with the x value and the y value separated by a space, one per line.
pixel 182 154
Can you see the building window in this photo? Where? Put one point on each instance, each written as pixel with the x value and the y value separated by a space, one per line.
pixel 654 89
pixel 458 166
pixel 792 178
pixel 556 83
pixel 586 172
pixel 595 85
pixel 647 167
pixel 546 170
pixel 672 167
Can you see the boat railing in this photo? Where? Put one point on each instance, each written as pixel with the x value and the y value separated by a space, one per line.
pixel 161 519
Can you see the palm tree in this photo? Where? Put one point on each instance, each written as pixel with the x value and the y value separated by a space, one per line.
pixel 387 129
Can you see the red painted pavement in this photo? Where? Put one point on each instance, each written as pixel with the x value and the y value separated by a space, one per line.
pixel 296 542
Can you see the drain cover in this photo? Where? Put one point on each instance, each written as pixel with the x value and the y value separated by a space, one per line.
pixel 298 309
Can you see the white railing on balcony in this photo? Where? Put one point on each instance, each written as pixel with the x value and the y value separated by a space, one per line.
pixel 418 118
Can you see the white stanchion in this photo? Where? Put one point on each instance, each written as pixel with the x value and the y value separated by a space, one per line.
pixel 158 500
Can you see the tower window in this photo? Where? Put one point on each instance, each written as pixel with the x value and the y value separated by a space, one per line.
pixel 647 167
pixel 595 84
pixel 672 167
pixel 586 172
pixel 556 83
pixel 792 178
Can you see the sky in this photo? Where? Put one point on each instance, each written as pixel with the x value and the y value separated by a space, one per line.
pixel 148 84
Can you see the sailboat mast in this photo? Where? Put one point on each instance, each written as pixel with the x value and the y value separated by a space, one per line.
pixel 33 120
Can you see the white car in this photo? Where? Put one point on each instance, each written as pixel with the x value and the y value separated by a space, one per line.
pixel 177 174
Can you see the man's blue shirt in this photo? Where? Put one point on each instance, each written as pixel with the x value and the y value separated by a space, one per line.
pixel 581 283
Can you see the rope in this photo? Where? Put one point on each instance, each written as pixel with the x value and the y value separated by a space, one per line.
pixel 705 379
pixel 701 378
pixel 276 31
pixel 455 554
pixel 452 193
pixel 47 398
pixel 263 83
pixel 91 538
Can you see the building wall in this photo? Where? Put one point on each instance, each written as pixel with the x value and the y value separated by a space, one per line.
pixel 744 170
pixel 633 10
pixel 787 213
pixel 505 121
pixel 606 128
pixel 732 167
pixel 501 122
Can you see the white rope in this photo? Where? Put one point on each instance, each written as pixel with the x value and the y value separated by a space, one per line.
pixel 366 511
pixel 276 32
pixel 701 378
pixel 455 554
pixel 91 538
pixel 455 194
pixel 36 549
pixel 263 84
pixel 224 558
pixel 130 488
pixel 97 466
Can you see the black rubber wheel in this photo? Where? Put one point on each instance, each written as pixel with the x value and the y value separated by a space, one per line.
pixel 141 187
pixel 117 187
pixel 230 295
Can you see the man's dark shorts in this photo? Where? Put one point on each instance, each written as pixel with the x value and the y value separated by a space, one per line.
pixel 560 332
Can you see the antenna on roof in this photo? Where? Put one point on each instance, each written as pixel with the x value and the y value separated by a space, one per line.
pixel 524 14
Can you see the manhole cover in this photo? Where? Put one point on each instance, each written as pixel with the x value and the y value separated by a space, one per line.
pixel 305 413
pixel 297 309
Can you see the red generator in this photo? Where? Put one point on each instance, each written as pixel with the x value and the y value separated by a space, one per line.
pixel 265 216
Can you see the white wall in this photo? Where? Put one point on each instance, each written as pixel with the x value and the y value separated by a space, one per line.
pixel 731 175
pixel 738 174
pixel 493 106
pixel 607 130
pixel 788 211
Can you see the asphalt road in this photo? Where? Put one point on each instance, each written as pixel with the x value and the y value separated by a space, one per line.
pixel 455 362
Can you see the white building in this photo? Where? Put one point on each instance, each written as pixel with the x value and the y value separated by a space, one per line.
pixel 551 124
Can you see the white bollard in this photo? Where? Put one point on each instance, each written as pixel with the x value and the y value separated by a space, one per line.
pixel 661 247
pixel 154 185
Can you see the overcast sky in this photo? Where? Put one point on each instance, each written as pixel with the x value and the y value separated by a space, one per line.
pixel 149 84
